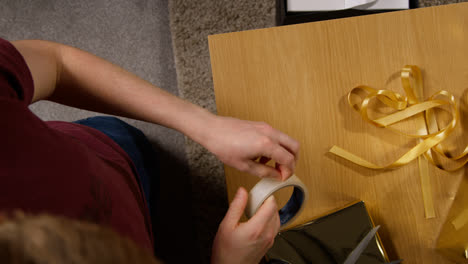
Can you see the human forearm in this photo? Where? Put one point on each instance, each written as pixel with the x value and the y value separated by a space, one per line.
pixel 76 78
pixel 92 83
pixel 89 82
pixel 73 77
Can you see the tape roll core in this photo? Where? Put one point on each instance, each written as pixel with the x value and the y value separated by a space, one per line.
pixel 266 187
pixel 292 207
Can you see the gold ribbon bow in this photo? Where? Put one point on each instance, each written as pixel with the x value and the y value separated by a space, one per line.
pixel 429 146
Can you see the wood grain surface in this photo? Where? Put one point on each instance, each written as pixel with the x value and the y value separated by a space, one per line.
pixel 296 78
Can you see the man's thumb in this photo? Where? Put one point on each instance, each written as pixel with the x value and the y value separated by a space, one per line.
pixel 236 209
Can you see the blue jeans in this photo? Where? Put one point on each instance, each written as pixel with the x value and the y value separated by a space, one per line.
pixel 137 146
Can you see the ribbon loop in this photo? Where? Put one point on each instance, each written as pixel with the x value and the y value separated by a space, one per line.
pixel 431 133
pixel 411 105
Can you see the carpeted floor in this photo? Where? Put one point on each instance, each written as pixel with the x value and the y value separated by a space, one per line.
pixel 426 3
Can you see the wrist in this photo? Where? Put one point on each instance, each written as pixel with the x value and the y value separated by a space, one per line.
pixel 199 126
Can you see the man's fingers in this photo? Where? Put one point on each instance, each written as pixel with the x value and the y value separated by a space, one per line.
pixel 264 160
pixel 285 163
pixel 285 159
pixel 263 171
pixel 277 223
pixel 236 208
pixel 284 171
pixel 289 143
pixel 264 214
pixel 272 230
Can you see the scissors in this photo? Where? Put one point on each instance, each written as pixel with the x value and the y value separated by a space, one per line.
pixel 356 253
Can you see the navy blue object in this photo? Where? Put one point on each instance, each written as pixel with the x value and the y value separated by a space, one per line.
pixel 292 206
pixel 138 148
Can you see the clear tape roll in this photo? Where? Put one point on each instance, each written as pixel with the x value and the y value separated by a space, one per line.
pixel 266 187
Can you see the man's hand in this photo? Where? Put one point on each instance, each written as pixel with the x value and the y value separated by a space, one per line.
pixel 249 241
pixel 76 78
pixel 238 143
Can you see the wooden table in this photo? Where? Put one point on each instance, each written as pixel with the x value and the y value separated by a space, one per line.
pixel 296 78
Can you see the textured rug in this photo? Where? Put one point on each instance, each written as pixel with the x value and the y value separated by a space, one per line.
pixel 191 22
pixel 426 3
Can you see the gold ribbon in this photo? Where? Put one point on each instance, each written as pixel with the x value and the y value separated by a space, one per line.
pixel 460 220
pixel 413 104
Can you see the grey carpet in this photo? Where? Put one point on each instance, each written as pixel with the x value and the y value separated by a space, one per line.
pixel 134 34
pixel 427 3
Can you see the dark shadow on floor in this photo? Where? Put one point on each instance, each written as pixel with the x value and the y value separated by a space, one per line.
pixel 173 226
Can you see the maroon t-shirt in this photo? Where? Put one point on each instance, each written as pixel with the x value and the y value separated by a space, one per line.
pixel 63 168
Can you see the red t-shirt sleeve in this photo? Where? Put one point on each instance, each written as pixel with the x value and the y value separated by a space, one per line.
pixel 15 78
pixel 63 168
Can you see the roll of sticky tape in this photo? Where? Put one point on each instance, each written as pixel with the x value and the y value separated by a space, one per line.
pixel 266 187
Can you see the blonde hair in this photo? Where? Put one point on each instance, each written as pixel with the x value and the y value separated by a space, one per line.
pixel 41 239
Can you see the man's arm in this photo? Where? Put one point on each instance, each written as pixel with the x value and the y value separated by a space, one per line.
pixel 73 77
pixel 76 78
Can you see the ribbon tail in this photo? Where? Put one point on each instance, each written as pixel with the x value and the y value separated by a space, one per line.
pixel 460 220
pixel 353 158
pixel 426 187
